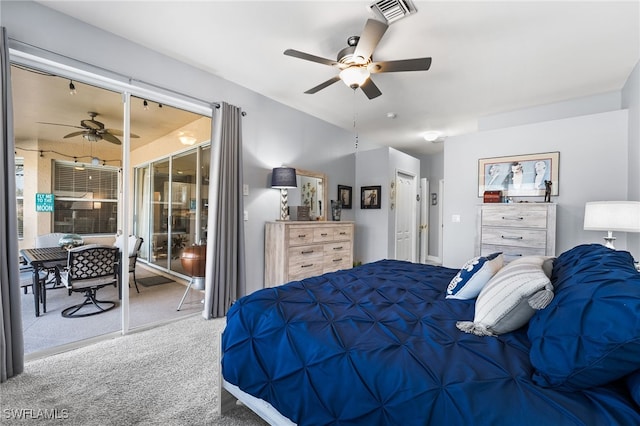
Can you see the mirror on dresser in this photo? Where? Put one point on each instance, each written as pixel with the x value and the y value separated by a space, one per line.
pixel 311 192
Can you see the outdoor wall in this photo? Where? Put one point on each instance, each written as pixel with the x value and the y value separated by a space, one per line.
pixel 273 134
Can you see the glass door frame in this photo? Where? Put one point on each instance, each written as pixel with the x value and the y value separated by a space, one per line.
pixel 39 59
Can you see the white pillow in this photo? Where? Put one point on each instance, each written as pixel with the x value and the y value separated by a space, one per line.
pixel 473 276
pixel 510 298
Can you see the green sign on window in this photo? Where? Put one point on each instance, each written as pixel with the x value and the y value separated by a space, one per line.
pixel 44 202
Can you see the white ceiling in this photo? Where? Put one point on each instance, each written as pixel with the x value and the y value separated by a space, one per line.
pixel 488 57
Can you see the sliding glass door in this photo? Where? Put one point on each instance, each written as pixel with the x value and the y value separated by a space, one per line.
pixel 176 189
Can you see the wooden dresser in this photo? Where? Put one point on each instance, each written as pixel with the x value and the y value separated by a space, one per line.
pixel 296 250
pixel 517 229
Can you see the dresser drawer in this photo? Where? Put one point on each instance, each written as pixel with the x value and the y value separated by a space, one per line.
pixel 511 252
pixel 337 263
pixel 300 235
pixel 323 234
pixel 515 216
pixel 342 233
pixel 305 261
pixel 508 236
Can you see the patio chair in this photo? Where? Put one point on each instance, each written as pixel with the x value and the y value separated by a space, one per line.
pixel 133 249
pixel 90 268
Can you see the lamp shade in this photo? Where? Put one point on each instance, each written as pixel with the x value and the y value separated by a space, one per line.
pixel 283 177
pixel 622 216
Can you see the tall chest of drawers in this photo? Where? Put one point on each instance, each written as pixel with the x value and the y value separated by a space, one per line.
pixel 517 229
pixel 297 250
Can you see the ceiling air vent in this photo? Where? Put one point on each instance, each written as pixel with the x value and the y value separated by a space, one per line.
pixel 392 10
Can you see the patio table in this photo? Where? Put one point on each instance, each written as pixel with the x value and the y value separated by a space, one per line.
pixel 40 259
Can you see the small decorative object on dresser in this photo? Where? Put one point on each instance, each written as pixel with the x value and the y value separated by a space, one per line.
pixel 295 250
pixel 492 196
pixel 336 210
pixel 516 229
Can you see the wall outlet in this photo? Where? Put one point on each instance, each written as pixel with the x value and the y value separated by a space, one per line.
pixel 245 190
pixel 246 215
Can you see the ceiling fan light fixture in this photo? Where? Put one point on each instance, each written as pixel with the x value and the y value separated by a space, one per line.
pixel 92 137
pixel 354 76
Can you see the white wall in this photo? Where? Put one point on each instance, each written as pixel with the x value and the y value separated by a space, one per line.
pixel 593 166
pixel 375 228
pixel 273 134
pixel 631 101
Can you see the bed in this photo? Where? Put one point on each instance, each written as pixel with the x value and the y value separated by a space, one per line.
pixel 382 344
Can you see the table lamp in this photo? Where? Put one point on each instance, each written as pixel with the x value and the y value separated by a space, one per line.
pixel 283 178
pixel 620 216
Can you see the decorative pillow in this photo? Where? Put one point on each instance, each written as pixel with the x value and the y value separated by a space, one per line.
pixel 633 383
pixel 473 276
pixel 590 333
pixel 510 298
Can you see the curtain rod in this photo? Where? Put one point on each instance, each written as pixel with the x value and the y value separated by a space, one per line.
pixel 39 53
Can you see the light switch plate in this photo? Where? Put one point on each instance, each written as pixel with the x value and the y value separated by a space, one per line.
pixel 245 190
pixel 246 215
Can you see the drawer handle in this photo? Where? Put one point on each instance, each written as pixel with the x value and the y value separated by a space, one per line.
pixel 512 218
pixel 343 233
pixel 510 237
pixel 306 252
pixel 337 260
pixel 302 235
pixel 338 248
pixel 514 254
pixel 324 235
pixel 306 266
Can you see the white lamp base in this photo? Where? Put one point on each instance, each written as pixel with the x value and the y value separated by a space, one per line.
pixel 609 239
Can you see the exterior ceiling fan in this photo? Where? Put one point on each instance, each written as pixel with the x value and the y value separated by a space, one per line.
pixel 356 61
pixel 93 130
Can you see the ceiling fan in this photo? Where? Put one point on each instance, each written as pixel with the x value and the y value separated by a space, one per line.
pixel 93 130
pixel 356 61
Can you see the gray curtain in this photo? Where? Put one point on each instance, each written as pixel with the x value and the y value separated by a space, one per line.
pixel 11 342
pixel 225 275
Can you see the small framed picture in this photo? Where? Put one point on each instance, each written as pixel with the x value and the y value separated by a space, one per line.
pixel 370 197
pixel 344 196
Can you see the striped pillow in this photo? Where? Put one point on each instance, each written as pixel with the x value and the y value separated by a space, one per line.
pixel 510 298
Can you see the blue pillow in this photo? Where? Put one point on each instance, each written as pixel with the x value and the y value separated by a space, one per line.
pixel 589 334
pixel 633 383
pixel 473 276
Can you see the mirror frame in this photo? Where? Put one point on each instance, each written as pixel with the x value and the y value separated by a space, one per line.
pixel 325 197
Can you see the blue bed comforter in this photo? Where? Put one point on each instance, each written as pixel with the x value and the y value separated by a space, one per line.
pixel 378 345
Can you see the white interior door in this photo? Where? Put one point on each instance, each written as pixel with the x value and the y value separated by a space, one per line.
pixel 424 220
pixel 405 217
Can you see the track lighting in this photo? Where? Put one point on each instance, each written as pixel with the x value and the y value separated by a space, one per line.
pixel 72 88
pixel 146 105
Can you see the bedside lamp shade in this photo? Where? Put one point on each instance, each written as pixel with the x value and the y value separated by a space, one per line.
pixel 283 178
pixel 621 216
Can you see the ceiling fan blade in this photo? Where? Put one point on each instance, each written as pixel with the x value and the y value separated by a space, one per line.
pixel 308 57
pixel 117 132
pixel 58 124
pixel 71 135
pixel 370 89
pixel 369 39
pixel 110 138
pixel 418 64
pixel 323 85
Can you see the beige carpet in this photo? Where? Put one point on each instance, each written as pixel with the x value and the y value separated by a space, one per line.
pixel 163 376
